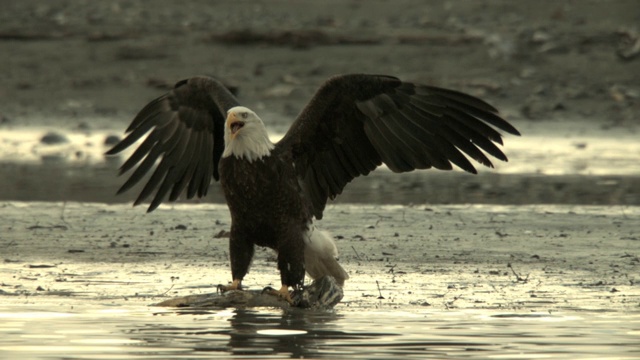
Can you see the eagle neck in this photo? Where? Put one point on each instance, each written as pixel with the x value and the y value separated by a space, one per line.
pixel 252 144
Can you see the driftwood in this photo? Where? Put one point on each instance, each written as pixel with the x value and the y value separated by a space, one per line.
pixel 323 293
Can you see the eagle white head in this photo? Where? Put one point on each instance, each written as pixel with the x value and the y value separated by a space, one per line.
pixel 245 135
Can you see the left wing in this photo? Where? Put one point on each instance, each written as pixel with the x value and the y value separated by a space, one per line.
pixel 354 123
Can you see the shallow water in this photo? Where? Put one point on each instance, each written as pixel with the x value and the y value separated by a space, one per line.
pixel 138 332
pixel 574 168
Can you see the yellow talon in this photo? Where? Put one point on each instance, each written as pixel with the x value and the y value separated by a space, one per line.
pixel 283 293
pixel 235 285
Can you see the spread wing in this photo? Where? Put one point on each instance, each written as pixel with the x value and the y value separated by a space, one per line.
pixel 354 123
pixel 185 130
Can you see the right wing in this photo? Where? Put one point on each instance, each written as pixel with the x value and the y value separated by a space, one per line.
pixel 185 130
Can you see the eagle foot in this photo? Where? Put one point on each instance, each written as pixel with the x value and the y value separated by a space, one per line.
pixel 283 293
pixel 235 285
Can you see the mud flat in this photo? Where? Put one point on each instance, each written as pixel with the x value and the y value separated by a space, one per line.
pixel 538 258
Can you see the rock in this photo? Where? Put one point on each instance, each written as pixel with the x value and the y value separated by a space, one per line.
pixel 628 44
pixel 111 140
pixel 52 138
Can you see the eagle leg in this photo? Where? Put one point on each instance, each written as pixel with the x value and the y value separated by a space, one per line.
pixel 283 293
pixel 235 285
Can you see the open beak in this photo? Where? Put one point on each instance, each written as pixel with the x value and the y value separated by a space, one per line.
pixel 234 124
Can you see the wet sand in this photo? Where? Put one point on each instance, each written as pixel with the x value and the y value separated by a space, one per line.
pixel 533 258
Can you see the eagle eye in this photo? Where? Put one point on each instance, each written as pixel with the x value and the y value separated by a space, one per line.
pixel 244 115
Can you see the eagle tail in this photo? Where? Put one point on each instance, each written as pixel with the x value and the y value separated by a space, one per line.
pixel 320 256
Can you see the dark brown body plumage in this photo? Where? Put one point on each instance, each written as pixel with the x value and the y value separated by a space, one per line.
pixel 266 210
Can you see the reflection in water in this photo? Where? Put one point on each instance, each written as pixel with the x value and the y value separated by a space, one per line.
pixel 298 334
pixel 141 333
pixel 294 333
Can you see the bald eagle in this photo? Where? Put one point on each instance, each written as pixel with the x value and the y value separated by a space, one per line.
pixel 274 191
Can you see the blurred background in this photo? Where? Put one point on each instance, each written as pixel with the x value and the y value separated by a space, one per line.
pixel 567 74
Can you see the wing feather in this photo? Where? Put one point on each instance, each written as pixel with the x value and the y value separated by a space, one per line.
pixel 135 133
pixel 446 138
pixel 173 169
pixel 427 91
pixel 160 133
pixel 194 184
pixel 422 138
pixel 360 154
pixel 344 160
pixel 486 116
pixel 482 134
pixel 184 140
pixel 160 173
pixel 385 142
pixel 203 172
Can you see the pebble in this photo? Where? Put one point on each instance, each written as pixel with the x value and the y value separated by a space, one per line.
pixel 52 138
pixel 111 140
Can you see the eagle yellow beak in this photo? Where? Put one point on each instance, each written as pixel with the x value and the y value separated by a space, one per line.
pixel 234 124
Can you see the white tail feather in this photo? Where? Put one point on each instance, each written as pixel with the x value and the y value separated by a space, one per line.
pixel 320 256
